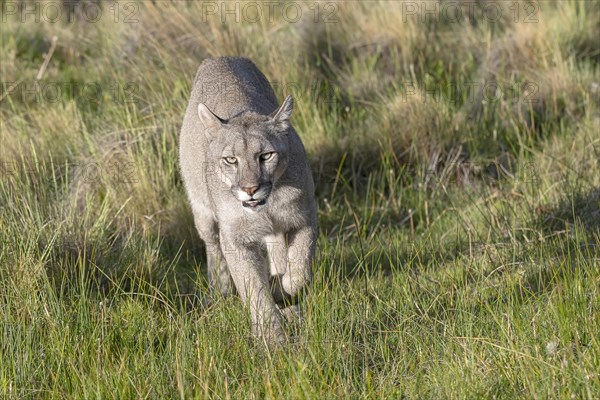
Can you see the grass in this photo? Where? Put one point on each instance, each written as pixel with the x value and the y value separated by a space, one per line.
pixel 459 230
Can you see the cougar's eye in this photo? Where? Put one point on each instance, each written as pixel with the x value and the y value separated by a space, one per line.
pixel 230 160
pixel 267 156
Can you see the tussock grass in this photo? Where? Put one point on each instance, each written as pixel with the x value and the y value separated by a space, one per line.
pixel 456 165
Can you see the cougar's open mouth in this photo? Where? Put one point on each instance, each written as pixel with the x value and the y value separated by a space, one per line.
pixel 253 203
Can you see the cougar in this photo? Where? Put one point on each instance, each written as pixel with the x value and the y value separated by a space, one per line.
pixel 251 190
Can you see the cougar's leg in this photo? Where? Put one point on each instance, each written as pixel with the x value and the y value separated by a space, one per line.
pixel 219 278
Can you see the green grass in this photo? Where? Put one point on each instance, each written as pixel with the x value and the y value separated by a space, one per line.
pixel 458 252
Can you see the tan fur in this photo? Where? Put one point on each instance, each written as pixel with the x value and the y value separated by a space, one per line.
pixel 251 190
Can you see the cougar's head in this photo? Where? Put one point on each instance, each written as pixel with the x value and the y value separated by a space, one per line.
pixel 249 152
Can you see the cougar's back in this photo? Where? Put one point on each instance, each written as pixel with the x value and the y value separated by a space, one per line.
pixel 229 86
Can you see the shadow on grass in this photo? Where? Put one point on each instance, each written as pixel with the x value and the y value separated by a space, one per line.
pixel 514 270
pixel 578 208
pixel 167 269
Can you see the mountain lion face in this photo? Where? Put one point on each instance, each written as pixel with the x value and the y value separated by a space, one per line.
pixel 250 163
pixel 250 153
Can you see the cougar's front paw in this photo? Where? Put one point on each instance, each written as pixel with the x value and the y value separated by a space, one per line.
pixel 292 313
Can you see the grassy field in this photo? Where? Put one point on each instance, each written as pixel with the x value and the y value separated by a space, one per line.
pixel 456 153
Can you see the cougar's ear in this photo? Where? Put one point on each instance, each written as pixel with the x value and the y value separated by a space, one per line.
pixel 281 117
pixel 210 121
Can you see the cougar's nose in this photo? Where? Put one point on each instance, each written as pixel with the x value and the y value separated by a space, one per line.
pixel 250 190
